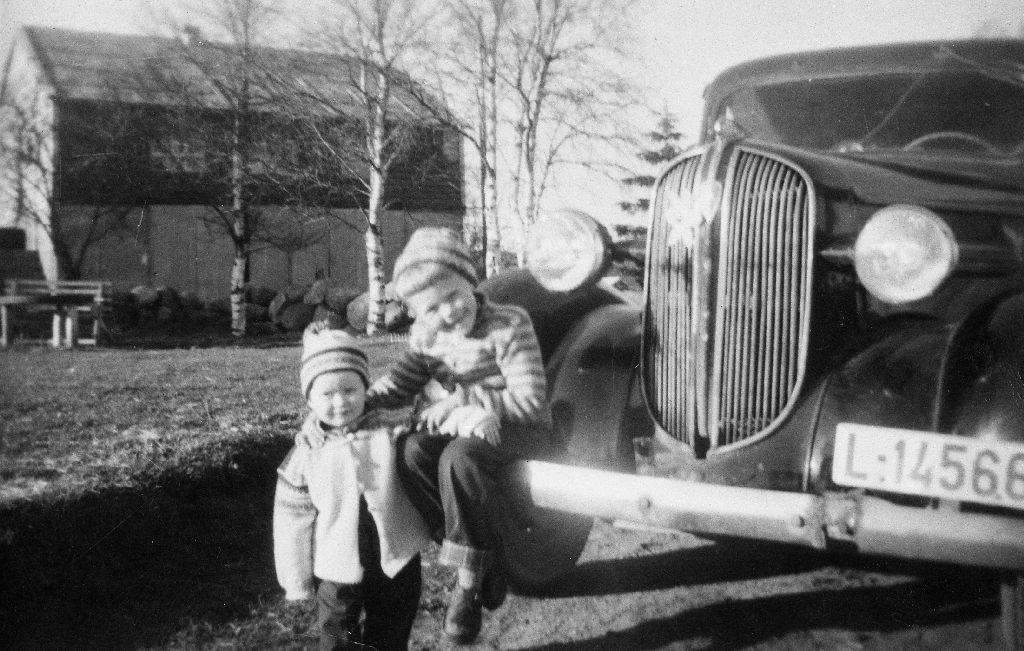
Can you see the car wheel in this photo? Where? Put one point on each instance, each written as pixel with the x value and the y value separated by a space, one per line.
pixel 1012 597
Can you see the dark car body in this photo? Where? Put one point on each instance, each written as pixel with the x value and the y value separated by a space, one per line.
pixel 854 357
pixel 756 338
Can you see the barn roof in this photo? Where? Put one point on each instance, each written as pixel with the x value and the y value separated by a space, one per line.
pixel 158 70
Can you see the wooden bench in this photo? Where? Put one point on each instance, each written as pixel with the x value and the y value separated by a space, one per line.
pixel 66 298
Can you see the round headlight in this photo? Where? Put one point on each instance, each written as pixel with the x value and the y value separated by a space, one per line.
pixel 904 253
pixel 566 249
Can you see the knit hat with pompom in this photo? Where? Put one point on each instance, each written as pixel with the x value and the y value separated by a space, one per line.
pixel 325 350
pixel 429 247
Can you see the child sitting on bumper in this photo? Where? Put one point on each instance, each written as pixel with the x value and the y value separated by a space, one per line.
pixel 474 373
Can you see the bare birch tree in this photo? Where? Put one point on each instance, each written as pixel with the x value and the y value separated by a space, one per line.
pixel 462 91
pixel 487 25
pixel 568 92
pixel 380 38
pixel 218 93
pixel 536 85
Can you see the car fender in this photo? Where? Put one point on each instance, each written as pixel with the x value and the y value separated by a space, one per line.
pixel 965 379
pixel 892 382
pixel 553 313
pixel 594 390
pixel 590 342
pixel 983 383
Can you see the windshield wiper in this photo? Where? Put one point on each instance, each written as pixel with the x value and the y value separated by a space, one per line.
pixel 891 113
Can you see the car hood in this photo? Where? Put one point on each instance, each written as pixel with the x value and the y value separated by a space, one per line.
pixel 956 184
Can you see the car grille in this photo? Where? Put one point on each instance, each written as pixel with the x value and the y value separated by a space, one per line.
pixel 726 318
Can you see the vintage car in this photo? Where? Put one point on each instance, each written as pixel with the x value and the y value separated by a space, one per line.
pixel 829 349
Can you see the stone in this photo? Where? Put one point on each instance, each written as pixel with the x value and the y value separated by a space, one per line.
pixel 261 296
pixel 334 320
pixel 338 297
pixel 256 313
pixel 294 293
pixel 357 311
pixel 219 305
pixel 297 316
pixel 145 296
pixel 169 298
pixel 396 317
pixel 316 292
pixel 191 302
pixel 277 306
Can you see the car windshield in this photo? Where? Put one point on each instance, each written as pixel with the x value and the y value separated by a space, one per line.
pixel 974 112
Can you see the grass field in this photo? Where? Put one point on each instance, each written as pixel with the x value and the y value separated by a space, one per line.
pixel 136 489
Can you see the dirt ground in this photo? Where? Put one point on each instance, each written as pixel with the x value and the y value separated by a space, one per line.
pixel 638 590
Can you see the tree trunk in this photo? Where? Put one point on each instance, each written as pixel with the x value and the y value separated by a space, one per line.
pixel 238 272
pixel 529 212
pixel 375 269
pixel 239 229
pixel 530 166
pixel 490 215
pixel 482 149
pixel 375 209
pixel 66 268
pixel 531 204
pixel 375 255
pixel 517 185
pixel 490 208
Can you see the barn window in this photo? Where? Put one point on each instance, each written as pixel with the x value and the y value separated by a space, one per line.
pixel 177 154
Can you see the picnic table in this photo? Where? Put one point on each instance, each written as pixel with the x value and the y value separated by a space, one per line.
pixel 67 299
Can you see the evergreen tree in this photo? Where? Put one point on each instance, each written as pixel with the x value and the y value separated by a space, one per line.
pixel 665 145
pixel 630 238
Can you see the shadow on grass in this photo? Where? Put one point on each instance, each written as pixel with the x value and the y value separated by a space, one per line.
pixel 742 624
pixel 933 595
pixel 124 568
pixel 129 568
pixel 728 561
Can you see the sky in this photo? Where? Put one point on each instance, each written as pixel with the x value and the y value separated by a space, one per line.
pixel 682 44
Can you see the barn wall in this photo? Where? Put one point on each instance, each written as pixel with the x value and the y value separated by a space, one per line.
pixel 176 246
pixel 122 254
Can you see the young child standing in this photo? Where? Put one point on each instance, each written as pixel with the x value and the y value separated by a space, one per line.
pixel 340 513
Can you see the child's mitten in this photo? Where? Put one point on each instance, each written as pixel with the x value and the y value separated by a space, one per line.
pixel 472 420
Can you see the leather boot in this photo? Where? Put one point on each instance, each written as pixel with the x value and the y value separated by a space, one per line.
pixel 464 617
pixel 494 589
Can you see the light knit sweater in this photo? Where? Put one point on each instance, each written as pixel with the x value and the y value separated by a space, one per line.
pixel 495 371
pixel 316 508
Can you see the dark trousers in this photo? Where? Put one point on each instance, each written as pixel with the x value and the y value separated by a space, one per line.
pixel 390 604
pixel 453 483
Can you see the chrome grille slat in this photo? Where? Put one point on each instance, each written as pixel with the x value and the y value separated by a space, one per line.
pixel 768 225
pixel 769 315
pixel 686 373
pixel 668 358
pixel 744 235
pixel 774 391
pixel 676 315
pixel 746 301
pixel 754 349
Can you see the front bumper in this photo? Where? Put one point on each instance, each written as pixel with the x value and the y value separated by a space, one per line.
pixel 871 524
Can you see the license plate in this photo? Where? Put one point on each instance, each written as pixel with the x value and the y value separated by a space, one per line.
pixel 932 465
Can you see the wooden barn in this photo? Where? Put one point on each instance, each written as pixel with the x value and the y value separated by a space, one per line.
pixel 130 176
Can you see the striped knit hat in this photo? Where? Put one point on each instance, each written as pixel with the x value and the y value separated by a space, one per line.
pixel 325 350
pixel 428 247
